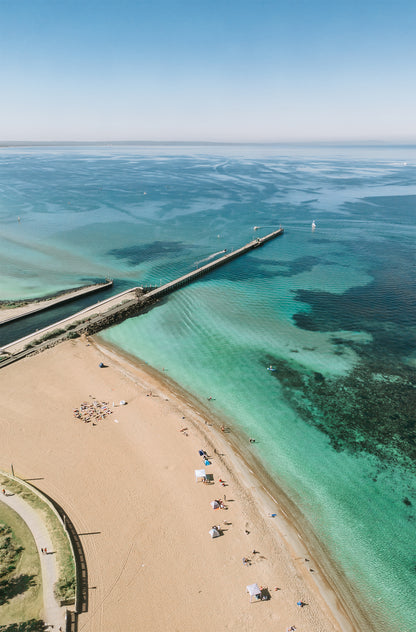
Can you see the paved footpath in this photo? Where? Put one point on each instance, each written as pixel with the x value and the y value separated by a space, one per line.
pixel 53 613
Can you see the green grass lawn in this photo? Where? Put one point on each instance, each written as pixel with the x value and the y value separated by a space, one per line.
pixel 21 597
pixel 65 586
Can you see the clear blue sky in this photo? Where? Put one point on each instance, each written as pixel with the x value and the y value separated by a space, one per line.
pixel 235 70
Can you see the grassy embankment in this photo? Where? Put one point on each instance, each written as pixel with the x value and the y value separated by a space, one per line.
pixel 20 573
pixel 65 586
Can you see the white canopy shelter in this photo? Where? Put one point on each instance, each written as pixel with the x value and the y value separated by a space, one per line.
pixel 214 533
pixel 200 474
pixel 214 504
pixel 254 591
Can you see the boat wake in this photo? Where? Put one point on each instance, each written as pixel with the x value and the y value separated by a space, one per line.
pixel 220 252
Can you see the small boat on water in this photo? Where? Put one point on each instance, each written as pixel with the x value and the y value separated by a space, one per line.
pixel 313 224
pixel 271 368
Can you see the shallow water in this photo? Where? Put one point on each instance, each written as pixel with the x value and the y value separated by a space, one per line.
pixel 332 310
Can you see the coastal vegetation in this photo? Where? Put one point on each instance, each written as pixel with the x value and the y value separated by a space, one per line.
pixel 66 584
pixel 9 552
pixel 34 625
pixel 20 575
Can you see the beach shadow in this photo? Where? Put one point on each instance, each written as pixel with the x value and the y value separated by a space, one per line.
pixel 90 533
pixel 265 594
pixel 39 478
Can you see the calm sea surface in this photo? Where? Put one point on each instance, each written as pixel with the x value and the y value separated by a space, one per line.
pixel 332 310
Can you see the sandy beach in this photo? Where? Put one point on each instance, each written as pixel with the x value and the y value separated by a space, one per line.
pixel 128 485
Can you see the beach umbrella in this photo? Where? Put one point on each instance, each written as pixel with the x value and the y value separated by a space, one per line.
pixel 254 591
pixel 200 474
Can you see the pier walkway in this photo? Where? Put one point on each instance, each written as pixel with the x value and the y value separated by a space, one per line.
pixel 191 276
pixel 125 304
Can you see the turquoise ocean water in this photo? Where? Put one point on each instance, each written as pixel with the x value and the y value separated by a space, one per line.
pixel 333 310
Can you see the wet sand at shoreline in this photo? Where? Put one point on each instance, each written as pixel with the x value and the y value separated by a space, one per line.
pixel 128 486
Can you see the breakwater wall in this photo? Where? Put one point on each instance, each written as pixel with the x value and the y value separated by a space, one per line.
pixel 40 305
pixel 117 308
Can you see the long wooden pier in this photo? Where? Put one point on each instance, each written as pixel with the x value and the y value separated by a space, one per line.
pixel 195 274
pixel 118 307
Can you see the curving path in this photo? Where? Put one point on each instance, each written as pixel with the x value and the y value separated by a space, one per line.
pixel 53 613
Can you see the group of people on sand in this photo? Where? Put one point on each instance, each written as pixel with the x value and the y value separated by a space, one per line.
pixel 93 411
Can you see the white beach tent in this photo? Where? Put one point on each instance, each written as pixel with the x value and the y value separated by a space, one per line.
pixel 214 504
pixel 214 533
pixel 254 591
pixel 200 474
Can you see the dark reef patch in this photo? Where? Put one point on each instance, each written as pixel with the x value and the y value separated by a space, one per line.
pixel 364 411
pixel 385 308
pixel 135 255
pixel 249 267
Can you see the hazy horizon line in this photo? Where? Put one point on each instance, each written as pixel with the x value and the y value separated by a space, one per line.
pixel 339 142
